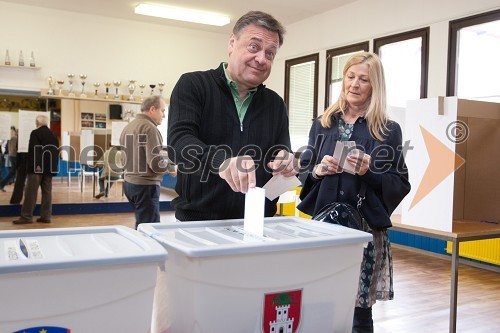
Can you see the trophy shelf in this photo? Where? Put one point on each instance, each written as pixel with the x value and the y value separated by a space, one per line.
pixel 20 67
pixel 90 97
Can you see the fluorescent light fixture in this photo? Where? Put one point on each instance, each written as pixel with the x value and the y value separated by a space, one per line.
pixel 182 14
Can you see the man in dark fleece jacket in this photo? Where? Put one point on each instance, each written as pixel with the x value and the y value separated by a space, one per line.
pixel 227 131
pixel 42 165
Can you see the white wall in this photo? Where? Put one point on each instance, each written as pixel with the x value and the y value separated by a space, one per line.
pixel 369 19
pixel 103 48
pixel 112 49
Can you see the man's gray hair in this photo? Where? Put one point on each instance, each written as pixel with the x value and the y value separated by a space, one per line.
pixel 42 120
pixel 260 19
pixel 151 101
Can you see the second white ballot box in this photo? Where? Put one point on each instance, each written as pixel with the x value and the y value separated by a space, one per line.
pixel 300 276
pixel 89 279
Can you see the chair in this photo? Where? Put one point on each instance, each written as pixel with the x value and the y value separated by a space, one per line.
pixel 108 181
pixel 286 198
pixel 73 169
pixel 117 163
pixel 87 170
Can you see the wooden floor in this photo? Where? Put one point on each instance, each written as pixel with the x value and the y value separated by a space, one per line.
pixel 422 297
pixel 72 192
pixel 422 281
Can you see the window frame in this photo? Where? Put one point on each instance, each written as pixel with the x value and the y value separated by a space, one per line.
pixel 424 34
pixel 362 46
pixel 296 61
pixel 454 27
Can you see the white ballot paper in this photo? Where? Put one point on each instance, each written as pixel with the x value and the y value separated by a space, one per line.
pixel 280 184
pixel 344 149
pixel 254 211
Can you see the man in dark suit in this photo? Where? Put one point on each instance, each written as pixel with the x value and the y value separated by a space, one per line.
pixel 42 165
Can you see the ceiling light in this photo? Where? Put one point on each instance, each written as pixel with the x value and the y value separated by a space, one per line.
pixel 182 14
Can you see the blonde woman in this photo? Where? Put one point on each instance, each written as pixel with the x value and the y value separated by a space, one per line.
pixel 378 173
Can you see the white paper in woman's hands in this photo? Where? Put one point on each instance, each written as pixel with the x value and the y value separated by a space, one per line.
pixel 344 149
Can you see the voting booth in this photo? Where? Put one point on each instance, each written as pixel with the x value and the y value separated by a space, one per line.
pixel 98 279
pixel 452 162
pixel 300 276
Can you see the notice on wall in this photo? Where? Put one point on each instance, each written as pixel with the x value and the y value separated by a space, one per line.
pixel 65 142
pixel 5 122
pixel 116 131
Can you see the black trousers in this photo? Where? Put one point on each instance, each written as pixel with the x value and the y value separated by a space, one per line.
pixel 362 321
pixel 21 172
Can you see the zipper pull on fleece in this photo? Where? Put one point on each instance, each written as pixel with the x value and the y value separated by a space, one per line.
pixel 241 127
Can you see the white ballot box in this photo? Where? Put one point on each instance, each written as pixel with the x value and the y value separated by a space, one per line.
pixel 301 276
pixel 96 279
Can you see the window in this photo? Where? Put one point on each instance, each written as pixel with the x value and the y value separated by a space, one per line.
pixel 405 59
pixel 301 96
pixel 474 50
pixel 335 61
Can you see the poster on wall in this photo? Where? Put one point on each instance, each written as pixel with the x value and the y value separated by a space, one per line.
pixel 27 123
pixel 87 124
pixel 87 116
pixel 5 123
pixel 100 120
pixel 87 119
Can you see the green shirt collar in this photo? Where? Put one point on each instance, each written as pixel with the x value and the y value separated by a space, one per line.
pixel 232 84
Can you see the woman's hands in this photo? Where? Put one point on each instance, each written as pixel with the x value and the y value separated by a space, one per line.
pixel 330 165
pixel 360 161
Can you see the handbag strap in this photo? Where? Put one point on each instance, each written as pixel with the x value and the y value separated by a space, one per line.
pixel 361 194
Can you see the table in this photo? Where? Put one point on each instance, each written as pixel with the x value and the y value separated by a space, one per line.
pixel 462 231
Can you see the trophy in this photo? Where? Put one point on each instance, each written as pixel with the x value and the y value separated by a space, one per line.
pixel 152 86
pixel 128 114
pixel 131 88
pixel 70 80
pixel 107 85
pixel 117 84
pixel 7 58
pixel 96 86
pixel 51 84
pixel 21 58
pixel 142 86
pixel 32 59
pixel 60 83
pixel 83 77
pixel 161 85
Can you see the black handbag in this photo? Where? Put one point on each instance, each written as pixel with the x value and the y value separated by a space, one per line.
pixel 344 214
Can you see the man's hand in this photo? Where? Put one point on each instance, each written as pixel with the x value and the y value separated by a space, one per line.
pixel 285 163
pixel 239 173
